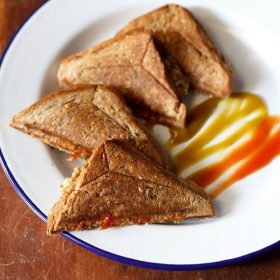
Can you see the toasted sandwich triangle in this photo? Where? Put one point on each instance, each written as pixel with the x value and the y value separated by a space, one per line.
pixel 132 64
pixel 78 119
pixel 176 30
pixel 118 186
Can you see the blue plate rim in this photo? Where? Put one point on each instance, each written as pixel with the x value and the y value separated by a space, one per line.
pixel 96 250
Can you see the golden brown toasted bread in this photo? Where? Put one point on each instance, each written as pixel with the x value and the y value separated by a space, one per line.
pixel 176 30
pixel 78 119
pixel 132 64
pixel 119 186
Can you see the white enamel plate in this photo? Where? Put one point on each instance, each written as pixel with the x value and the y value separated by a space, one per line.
pixel 248 213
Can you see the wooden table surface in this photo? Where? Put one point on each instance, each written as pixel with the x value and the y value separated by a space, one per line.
pixel 27 253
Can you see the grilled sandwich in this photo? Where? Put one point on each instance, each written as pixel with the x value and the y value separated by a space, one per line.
pixel 154 88
pixel 80 118
pixel 120 186
pixel 180 35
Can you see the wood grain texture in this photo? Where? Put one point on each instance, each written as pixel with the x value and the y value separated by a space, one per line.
pixel 27 253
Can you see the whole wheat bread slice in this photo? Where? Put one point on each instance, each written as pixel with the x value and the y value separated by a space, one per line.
pixel 177 31
pixel 131 64
pixel 119 186
pixel 78 119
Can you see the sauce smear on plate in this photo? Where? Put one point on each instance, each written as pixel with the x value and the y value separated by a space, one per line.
pixel 225 140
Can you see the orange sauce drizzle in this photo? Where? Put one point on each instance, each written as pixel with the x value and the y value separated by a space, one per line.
pixel 247 115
